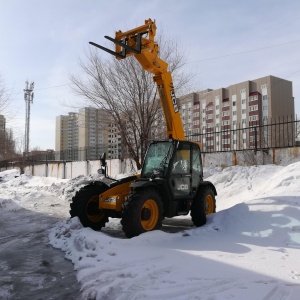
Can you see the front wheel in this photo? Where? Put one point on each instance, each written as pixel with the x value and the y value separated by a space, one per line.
pixel 203 204
pixel 209 201
pixel 85 205
pixel 142 212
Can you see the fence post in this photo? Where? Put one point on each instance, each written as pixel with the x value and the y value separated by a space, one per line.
pixel 255 139
pixel 235 162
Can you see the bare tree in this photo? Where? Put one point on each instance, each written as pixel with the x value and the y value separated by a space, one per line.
pixel 8 145
pixel 4 98
pixel 127 92
pixel 7 141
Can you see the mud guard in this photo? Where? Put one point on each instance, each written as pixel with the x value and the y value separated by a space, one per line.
pixel 209 184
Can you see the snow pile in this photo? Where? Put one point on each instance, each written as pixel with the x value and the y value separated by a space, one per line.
pixel 8 175
pixel 249 249
pixel 39 194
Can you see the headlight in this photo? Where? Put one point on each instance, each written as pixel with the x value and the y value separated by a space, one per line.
pixel 112 199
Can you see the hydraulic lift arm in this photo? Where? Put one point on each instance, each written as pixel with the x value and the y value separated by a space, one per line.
pixel 145 50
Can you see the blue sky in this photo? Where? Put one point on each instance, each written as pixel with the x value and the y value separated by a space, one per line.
pixel 43 40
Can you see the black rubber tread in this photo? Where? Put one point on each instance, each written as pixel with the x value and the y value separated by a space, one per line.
pixel 131 216
pixel 79 206
pixel 198 206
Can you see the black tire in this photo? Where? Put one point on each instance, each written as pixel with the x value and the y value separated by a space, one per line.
pixel 84 205
pixel 209 200
pixel 198 208
pixel 142 212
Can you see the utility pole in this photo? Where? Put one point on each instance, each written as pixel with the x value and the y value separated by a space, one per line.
pixel 28 97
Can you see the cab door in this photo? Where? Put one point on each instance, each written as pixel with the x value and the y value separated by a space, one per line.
pixel 180 174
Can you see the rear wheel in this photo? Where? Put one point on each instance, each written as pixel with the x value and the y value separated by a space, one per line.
pixel 85 206
pixel 199 206
pixel 209 201
pixel 142 212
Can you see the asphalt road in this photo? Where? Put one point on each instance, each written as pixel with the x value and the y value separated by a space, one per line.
pixel 30 268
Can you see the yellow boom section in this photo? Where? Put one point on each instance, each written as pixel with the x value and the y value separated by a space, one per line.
pixel 145 50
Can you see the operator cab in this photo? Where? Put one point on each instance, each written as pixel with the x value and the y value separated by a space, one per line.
pixel 177 161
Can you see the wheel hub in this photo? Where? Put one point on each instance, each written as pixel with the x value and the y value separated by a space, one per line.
pixel 145 214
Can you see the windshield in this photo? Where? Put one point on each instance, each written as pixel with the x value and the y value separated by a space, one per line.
pixel 157 157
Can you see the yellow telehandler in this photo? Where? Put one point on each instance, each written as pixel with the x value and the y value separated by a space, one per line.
pixel 171 180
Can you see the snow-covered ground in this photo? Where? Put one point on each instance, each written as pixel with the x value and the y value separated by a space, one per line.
pixel 249 249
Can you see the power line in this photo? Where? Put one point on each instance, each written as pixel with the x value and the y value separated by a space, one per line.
pixel 204 59
pixel 243 52
pixel 44 88
pixel 51 87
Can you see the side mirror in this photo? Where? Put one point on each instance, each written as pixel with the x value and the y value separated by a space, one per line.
pixel 103 159
pixel 103 169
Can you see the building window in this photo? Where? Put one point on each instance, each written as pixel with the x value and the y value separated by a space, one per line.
pixel 253 107
pixel 253 118
pixel 265 97
pixel 243 111
pixel 243 101
pixel 253 98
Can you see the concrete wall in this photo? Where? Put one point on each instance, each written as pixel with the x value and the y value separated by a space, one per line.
pixel 224 159
pixel 282 157
pixel 73 169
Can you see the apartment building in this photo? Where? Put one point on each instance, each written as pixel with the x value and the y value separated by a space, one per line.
pixel 115 149
pixel 66 136
pixel 61 133
pixel 93 128
pixel 249 104
pixel 86 135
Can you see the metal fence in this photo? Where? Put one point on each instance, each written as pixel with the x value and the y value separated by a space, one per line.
pixel 283 133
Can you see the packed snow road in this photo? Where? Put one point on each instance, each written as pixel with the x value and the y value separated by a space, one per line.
pixel 29 267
